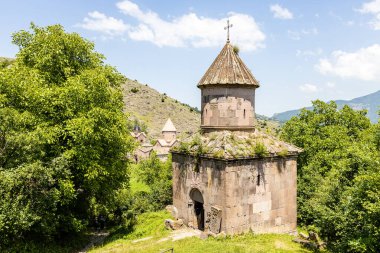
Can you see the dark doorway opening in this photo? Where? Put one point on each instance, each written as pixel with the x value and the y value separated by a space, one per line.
pixel 200 213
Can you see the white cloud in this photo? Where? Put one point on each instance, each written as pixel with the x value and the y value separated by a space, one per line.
pixel 372 7
pixel 309 53
pixel 99 22
pixel 308 88
pixel 363 64
pixel 330 85
pixel 280 12
pixel 297 35
pixel 191 29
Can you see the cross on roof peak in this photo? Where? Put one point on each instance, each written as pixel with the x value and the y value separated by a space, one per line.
pixel 228 30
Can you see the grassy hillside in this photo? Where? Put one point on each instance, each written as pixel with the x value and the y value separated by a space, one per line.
pixel 4 62
pixel 154 108
pixel 150 235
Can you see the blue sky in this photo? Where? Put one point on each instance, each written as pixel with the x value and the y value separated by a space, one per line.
pixel 298 50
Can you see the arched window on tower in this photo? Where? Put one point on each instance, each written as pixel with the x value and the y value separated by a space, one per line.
pixel 244 113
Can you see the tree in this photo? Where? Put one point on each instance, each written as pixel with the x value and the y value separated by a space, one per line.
pixel 158 176
pixel 63 134
pixel 333 175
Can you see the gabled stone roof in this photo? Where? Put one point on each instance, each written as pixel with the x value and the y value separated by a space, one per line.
pixel 164 143
pixel 137 134
pixel 228 69
pixel 169 126
pixel 229 145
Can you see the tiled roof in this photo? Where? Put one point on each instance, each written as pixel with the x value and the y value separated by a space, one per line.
pixel 228 69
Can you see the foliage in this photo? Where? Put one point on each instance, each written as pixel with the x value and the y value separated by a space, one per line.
pixel 63 135
pixel 337 175
pixel 133 122
pixel 260 149
pixel 134 90
pixel 158 176
pixel 150 190
pixel 236 49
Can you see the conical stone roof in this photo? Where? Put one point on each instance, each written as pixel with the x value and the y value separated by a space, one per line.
pixel 169 126
pixel 228 69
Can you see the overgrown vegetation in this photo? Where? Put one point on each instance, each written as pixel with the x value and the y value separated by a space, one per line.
pixel 63 137
pixel 338 175
pixel 150 190
pixel 260 149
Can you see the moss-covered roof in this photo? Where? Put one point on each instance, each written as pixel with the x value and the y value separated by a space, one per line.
pixel 230 145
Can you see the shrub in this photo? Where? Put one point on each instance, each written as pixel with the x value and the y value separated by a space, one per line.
pixel 260 149
pixel 134 90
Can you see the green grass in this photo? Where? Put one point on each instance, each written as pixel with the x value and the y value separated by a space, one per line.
pixel 152 225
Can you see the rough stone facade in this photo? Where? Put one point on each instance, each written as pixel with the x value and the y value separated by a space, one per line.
pixel 224 107
pixel 256 195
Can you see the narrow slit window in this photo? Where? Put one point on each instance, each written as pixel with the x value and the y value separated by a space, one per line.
pixel 258 180
pixel 244 113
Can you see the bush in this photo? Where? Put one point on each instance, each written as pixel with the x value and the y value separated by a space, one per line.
pixel 134 90
pixel 260 149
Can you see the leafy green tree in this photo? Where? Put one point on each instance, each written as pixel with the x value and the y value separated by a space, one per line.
pixel 339 152
pixel 63 134
pixel 158 175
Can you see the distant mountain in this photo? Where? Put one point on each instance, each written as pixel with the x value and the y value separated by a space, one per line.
pixel 369 102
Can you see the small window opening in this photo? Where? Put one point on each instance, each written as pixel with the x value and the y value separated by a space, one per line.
pixel 258 180
pixel 244 113
pixel 206 112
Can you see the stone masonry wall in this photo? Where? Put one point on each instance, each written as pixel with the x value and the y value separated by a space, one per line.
pixel 269 206
pixel 210 181
pixel 228 107
pixel 232 187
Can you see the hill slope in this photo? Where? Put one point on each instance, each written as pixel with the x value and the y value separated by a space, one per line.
pixel 369 102
pixel 153 108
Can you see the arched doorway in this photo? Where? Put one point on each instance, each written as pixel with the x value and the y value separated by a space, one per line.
pixel 197 198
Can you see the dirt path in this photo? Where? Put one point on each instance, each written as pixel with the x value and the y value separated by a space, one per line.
pixel 98 238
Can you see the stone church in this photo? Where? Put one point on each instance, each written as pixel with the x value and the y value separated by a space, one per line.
pixel 232 177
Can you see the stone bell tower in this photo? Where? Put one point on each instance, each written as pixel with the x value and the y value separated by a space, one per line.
pixel 228 93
